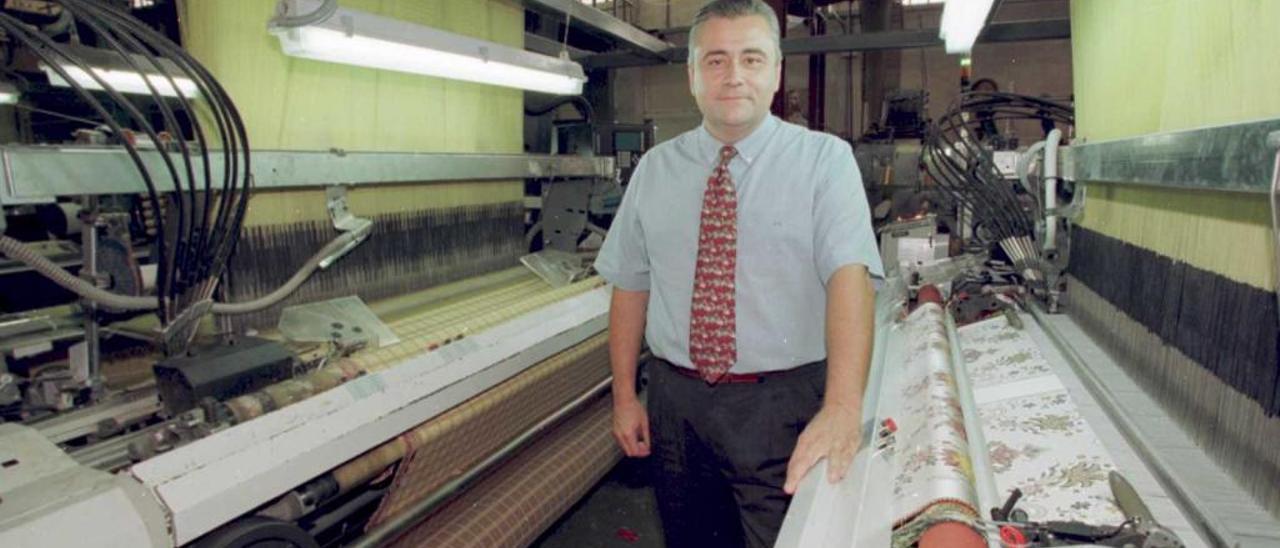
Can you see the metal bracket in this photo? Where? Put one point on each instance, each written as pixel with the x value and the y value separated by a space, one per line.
pixel 564 213
pixel 344 221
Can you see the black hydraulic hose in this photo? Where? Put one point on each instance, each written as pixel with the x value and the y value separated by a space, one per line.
pixel 194 267
pixel 39 43
pixel 237 178
pixel 965 170
pixel 16 29
pixel 580 103
pixel 202 80
pixel 171 123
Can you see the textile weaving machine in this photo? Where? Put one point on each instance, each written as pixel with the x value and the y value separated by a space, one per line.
pixel 963 417
pixel 373 361
pixel 274 289
pixel 993 420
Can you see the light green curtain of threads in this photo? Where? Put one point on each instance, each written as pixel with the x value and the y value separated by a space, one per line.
pixel 1165 65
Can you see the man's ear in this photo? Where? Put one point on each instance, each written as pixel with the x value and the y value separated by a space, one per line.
pixel 777 79
pixel 689 70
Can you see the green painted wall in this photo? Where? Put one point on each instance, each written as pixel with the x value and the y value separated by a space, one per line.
pixel 1163 65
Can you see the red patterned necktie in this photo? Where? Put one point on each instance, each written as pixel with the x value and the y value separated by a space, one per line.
pixel 712 321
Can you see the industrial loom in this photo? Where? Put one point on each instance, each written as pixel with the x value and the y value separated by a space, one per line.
pixel 289 347
pixel 990 417
pixel 297 344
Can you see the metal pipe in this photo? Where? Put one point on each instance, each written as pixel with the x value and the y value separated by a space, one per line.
pixel 391 529
pixel 21 252
pixel 1023 169
pixel 1051 189
pixel 1208 524
pixel 984 479
pixel 89 272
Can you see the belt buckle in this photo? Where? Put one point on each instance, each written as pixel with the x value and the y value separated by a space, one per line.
pixel 745 378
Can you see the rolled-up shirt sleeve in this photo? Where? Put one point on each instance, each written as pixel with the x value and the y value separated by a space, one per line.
pixel 842 219
pixel 623 260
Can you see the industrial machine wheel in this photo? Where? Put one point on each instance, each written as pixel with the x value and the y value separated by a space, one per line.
pixel 258 532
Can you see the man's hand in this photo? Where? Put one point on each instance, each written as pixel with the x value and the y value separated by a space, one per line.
pixel 626 330
pixel 631 426
pixel 835 433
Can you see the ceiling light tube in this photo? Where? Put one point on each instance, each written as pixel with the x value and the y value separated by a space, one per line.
pixel 117 73
pixel 8 94
pixel 357 38
pixel 962 22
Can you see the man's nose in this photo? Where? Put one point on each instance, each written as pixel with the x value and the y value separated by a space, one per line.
pixel 734 75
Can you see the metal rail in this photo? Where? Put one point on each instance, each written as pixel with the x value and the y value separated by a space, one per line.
pixel 1233 157
pixel 39 174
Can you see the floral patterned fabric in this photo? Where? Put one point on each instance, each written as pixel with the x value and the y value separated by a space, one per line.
pixel 933 472
pixel 1036 438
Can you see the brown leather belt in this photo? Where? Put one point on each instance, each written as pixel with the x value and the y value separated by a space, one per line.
pixel 736 378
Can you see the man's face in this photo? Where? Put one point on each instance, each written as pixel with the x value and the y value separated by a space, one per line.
pixel 735 73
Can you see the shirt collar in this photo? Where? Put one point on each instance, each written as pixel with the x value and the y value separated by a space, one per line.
pixel 749 148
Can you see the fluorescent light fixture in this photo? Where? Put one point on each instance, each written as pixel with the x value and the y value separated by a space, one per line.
pixel 116 72
pixel 962 22
pixel 357 38
pixel 8 94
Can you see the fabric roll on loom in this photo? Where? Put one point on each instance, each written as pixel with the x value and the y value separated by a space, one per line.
pixel 935 504
pixel 430 329
pixel 456 441
pixel 446 446
pixel 526 495
pixel 1029 433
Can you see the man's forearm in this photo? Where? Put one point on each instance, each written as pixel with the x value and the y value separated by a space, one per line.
pixel 626 331
pixel 850 324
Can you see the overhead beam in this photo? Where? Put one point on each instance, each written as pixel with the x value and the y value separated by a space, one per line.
pixel 646 45
pixel 547 46
pixel 1021 31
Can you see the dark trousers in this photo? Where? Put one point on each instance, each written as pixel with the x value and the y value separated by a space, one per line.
pixel 720 453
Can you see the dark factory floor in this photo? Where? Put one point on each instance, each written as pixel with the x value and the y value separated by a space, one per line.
pixel 618 512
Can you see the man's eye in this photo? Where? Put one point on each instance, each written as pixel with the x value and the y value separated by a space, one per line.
pixel 754 61
pixel 715 62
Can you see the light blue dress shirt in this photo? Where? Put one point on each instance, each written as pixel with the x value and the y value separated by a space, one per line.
pixel 802 214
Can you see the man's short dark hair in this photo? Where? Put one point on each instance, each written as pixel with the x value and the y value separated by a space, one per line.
pixel 730 9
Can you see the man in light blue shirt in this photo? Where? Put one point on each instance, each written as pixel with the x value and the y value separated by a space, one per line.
pixel 730 452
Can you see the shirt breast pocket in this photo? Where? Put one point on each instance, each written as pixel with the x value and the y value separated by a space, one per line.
pixel 782 239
